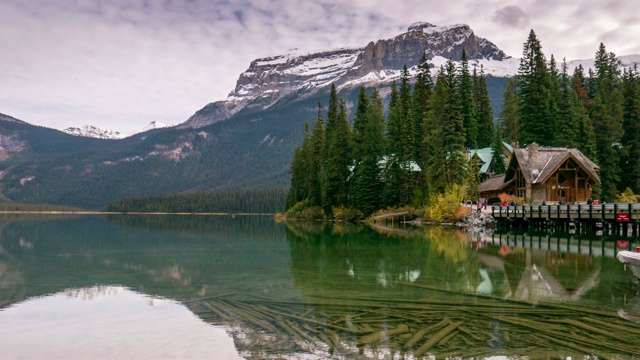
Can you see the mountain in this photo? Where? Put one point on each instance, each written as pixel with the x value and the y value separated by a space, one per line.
pixel 155 125
pixel 93 132
pixel 245 141
pixel 269 80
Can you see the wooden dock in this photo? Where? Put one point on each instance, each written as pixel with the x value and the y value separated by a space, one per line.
pixel 393 216
pixel 614 219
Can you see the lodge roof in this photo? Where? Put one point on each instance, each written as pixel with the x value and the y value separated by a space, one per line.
pixel 539 167
pixel 486 156
pixel 495 183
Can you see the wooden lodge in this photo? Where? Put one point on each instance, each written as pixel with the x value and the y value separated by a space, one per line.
pixel 551 175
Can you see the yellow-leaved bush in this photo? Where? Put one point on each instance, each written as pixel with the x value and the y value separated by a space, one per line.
pixel 448 206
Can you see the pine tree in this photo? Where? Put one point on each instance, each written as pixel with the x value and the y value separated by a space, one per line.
pixel 630 159
pixel 473 176
pixel 497 153
pixel 299 189
pixel 607 115
pixel 422 90
pixel 338 158
pixel 509 122
pixel 569 113
pixel 484 112
pixel 467 104
pixel 534 95
pixel 586 133
pixel 367 186
pixel 359 123
pixel 447 162
pixel 315 162
pixel 553 107
pixel 394 121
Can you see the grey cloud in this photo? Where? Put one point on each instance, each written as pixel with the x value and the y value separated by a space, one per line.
pixel 511 15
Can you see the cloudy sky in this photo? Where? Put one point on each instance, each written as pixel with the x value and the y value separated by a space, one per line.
pixel 120 64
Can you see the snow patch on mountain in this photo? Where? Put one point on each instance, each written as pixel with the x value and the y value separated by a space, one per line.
pixel 305 71
pixel 93 132
pixel 155 125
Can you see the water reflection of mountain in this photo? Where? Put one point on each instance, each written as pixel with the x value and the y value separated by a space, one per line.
pixel 172 260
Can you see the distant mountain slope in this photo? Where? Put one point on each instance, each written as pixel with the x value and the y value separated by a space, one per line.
pixel 93 132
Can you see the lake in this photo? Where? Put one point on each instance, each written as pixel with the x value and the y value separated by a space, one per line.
pixel 149 287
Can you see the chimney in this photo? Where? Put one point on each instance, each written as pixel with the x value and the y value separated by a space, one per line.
pixel 533 158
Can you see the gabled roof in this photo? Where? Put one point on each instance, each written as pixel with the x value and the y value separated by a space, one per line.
pixel 486 156
pixel 495 183
pixel 549 160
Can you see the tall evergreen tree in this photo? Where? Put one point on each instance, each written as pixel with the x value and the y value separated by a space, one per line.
pixel 359 122
pixel 630 159
pixel 497 153
pixel 467 104
pixel 367 185
pixel 607 115
pixel 394 120
pixel 569 113
pixel 447 159
pixel 585 133
pixel 473 176
pixel 534 95
pixel 483 110
pixel 299 189
pixel 315 162
pixel 554 97
pixel 422 90
pixel 509 122
pixel 339 159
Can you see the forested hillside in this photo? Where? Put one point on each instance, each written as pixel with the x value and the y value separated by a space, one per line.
pixel 351 170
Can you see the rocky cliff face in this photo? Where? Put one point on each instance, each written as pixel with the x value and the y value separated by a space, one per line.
pixel 268 80
pixel 407 49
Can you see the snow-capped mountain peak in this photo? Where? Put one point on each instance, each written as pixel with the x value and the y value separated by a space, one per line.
pixel 269 79
pixel 93 132
pixel 155 125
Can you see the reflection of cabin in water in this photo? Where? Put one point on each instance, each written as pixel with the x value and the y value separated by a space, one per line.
pixel 546 174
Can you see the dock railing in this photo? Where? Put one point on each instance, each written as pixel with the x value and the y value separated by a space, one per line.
pixel 609 212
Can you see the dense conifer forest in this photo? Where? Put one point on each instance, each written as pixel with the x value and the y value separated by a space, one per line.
pixel 264 201
pixel 350 169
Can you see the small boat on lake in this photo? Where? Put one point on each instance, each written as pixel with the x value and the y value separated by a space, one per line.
pixel 631 259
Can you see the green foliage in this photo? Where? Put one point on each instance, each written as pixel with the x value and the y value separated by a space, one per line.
pixel 347 214
pixel 497 154
pixel 535 113
pixel 483 110
pixel 509 122
pixel 630 159
pixel 446 163
pixel 466 92
pixel 627 196
pixel 448 206
pixel 473 177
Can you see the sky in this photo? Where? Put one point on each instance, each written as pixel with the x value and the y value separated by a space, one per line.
pixel 120 64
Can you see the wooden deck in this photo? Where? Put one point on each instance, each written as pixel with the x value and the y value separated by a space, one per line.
pixel 605 212
pixel 608 219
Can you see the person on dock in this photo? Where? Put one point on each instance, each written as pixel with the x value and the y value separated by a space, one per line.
pixel 589 201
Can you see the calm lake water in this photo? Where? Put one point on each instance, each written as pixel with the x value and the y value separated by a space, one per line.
pixel 216 287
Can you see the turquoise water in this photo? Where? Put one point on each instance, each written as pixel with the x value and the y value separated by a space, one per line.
pixel 218 287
